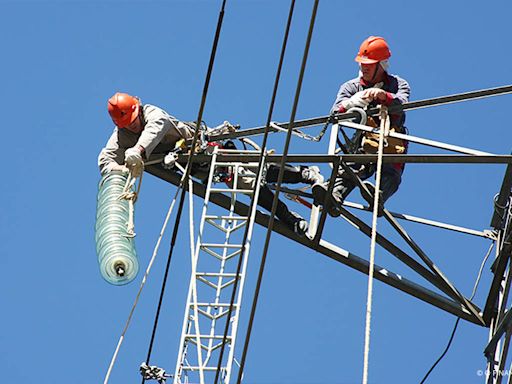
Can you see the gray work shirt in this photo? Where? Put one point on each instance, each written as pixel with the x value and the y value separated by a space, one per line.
pixel 160 133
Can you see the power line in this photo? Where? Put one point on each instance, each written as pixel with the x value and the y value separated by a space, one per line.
pixel 278 188
pixel 258 172
pixel 186 177
pixel 412 105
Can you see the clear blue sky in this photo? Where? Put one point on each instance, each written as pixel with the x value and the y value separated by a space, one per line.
pixel 62 60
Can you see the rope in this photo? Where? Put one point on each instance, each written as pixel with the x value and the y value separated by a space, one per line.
pixel 384 129
pixel 458 319
pixel 142 284
pixel 131 195
pixel 261 164
pixel 186 178
pixel 278 185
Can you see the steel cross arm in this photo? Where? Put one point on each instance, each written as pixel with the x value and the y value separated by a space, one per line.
pixel 354 158
pixel 504 326
pixel 449 288
pixel 455 293
pixel 419 140
pixel 334 252
pixel 499 269
pixel 392 109
pixel 398 253
pixel 503 198
pixel 414 219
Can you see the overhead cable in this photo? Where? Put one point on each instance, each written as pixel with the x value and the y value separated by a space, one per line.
pixel 261 164
pixel 186 176
pixel 278 188
pixel 436 101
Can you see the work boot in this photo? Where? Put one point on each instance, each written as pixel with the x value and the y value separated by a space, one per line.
pixel 296 223
pixel 333 204
pixel 371 188
pixel 311 175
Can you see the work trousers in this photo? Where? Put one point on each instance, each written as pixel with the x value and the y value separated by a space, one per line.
pixel 390 180
pixel 291 175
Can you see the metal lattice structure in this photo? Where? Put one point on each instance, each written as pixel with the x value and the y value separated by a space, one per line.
pixel 219 247
pixel 495 315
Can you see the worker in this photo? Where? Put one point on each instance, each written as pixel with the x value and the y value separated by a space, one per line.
pixel 140 130
pixel 246 181
pixel 291 175
pixel 374 86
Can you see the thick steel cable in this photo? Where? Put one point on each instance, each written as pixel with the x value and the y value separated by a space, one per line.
pixel 261 164
pixel 186 177
pixel 458 319
pixel 278 189
pixel 412 105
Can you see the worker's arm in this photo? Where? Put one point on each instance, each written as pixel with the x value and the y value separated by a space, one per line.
pixel 157 124
pixel 402 94
pixel 346 91
pixel 111 156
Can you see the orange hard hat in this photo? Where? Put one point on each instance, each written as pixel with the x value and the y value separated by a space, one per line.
pixel 373 50
pixel 123 109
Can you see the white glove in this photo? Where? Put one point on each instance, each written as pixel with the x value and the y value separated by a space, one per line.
pixel 170 160
pixel 113 166
pixel 133 160
pixel 357 100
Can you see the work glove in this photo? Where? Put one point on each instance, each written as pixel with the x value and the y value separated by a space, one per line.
pixel 170 160
pixel 376 94
pixel 113 166
pixel 357 100
pixel 133 160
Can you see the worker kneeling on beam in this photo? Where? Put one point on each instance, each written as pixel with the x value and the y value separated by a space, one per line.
pixel 372 87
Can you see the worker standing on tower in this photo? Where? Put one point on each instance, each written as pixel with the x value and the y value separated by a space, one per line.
pixel 372 87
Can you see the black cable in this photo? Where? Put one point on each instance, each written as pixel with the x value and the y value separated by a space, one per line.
pixel 258 172
pixel 458 319
pixel 185 179
pixel 444 352
pixel 278 188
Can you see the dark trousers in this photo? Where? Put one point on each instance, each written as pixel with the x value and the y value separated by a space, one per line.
pixel 291 175
pixel 390 181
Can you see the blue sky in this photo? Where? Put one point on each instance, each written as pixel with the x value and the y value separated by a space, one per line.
pixel 62 60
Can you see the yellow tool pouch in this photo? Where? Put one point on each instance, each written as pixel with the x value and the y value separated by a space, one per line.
pixel 392 145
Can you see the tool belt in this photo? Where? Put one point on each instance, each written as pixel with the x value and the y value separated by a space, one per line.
pixel 392 145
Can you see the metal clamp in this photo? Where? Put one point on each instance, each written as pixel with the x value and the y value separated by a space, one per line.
pixel 152 372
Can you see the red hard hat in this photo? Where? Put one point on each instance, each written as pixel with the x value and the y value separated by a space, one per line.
pixel 123 109
pixel 373 50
